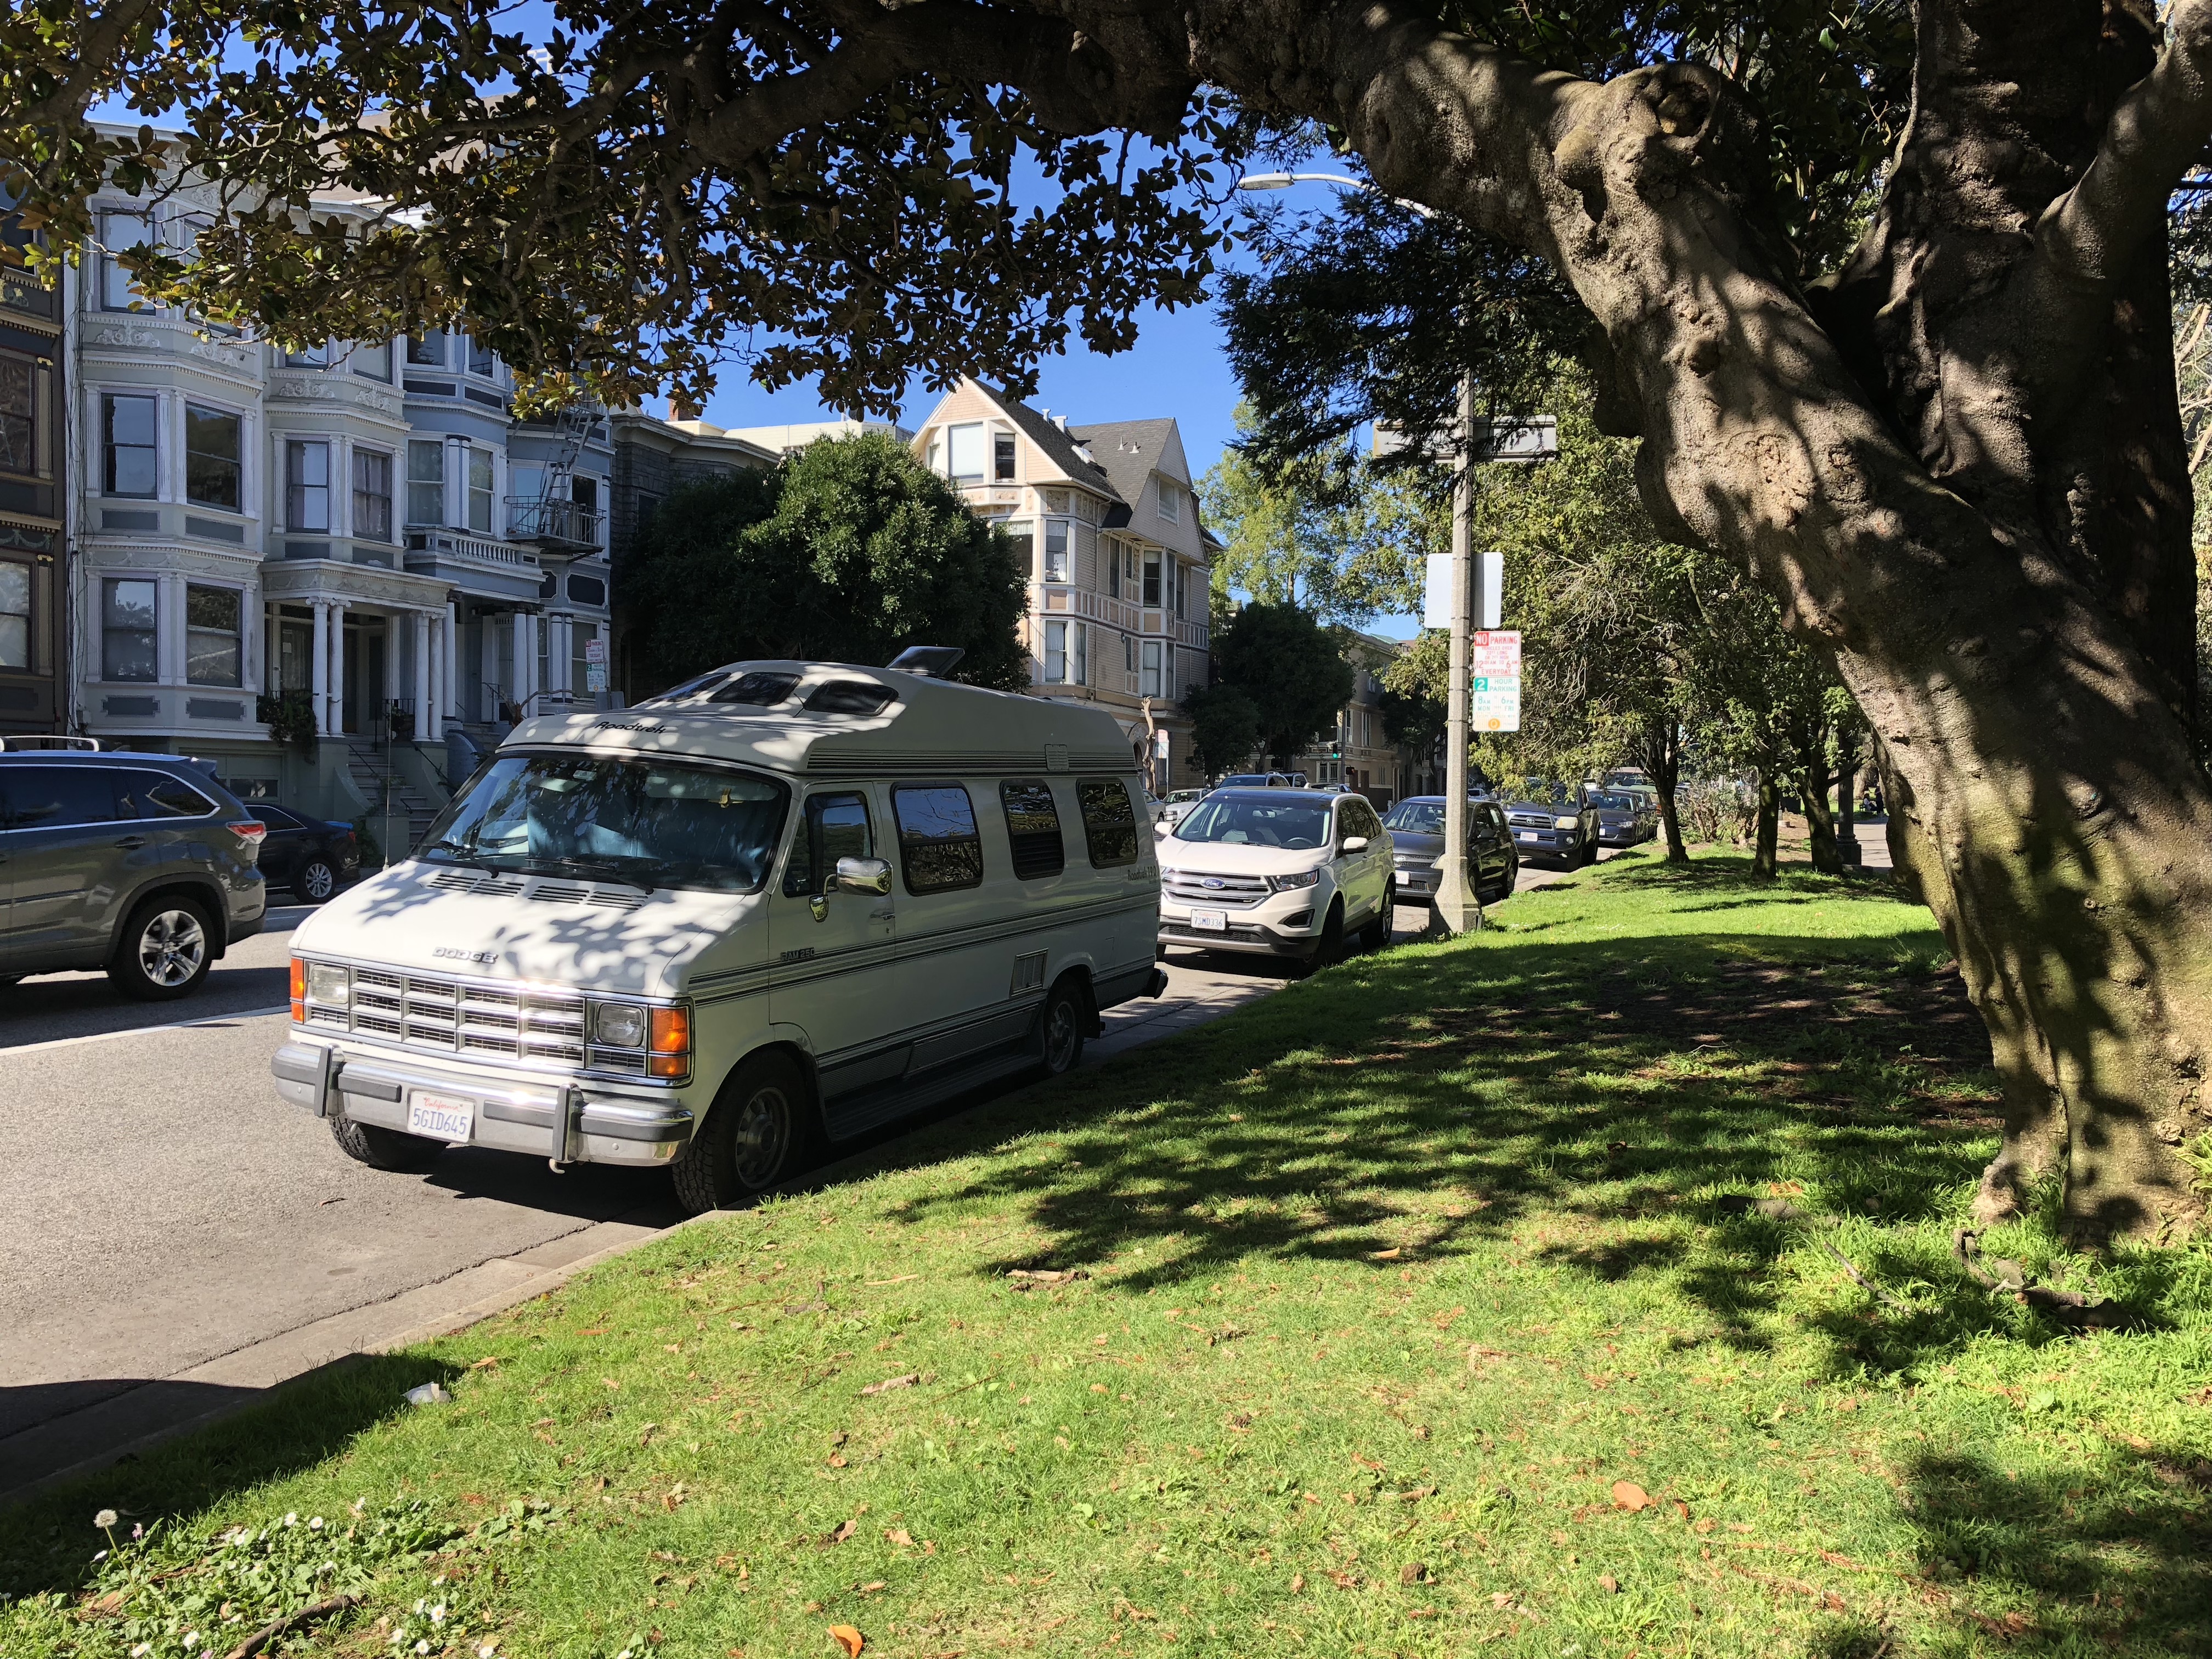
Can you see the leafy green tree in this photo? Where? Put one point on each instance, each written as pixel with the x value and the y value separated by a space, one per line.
pixel 1292 669
pixel 852 550
pixel 1224 726
pixel 1914 379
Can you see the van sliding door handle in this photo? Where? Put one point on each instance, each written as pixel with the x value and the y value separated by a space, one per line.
pixel 132 842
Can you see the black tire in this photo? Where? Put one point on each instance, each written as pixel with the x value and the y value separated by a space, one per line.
pixel 1375 935
pixel 165 949
pixel 759 1129
pixel 314 881
pixel 1330 945
pixel 1061 1025
pixel 384 1149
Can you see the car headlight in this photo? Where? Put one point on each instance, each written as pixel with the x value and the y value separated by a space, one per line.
pixel 1565 823
pixel 618 1025
pixel 329 984
pixel 1286 883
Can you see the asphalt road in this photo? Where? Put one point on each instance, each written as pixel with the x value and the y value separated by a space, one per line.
pixel 167 1220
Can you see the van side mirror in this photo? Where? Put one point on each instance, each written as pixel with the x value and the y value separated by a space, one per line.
pixel 865 875
pixel 1354 843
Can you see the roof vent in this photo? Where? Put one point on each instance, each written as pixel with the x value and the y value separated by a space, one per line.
pixel 930 661
pixel 1059 420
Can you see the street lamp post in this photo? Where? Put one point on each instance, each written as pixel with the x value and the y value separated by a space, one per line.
pixel 1458 906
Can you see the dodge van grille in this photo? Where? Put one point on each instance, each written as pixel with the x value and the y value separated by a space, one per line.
pixel 1196 889
pixel 426 1011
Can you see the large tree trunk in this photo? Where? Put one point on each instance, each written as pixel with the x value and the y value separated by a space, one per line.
pixel 1659 752
pixel 1916 474
pixel 1819 819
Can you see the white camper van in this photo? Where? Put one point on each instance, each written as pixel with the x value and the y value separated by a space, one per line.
pixel 784 898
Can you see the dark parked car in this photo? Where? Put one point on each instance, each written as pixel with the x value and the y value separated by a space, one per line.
pixel 1626 818
pixel 1417 832
pixel 313 857
pixel 143 864
pixel 1553 820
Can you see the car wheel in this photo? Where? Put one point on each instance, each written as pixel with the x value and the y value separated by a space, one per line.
pixel 384 1149
pixel 753 1137
pixel 1330 945
pixel 314 881
pixel 1060 1027
pixel 1375 935
pixel 166 949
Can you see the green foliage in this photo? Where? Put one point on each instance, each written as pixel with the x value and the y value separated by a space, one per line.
pixel 1290 667
pixel 1335 535
pixel 852 551
pixel 1224 726
pixel 290 718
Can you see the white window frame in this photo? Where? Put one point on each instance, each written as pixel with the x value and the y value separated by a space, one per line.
pixel 394 466
pixel 107 584
pixel 238 639
pixel 105 396
pixel 1005 435
pixel 296 491
pixel 1082 640
pixel 317 356
pixel 1060 561
pixel 112 277
pixel 1055 654
pixel 1149 668
pixel 1167 500
pixel 185 407
pixel 957 439
pixel 353 355
pixel 490 526
pixel 426 445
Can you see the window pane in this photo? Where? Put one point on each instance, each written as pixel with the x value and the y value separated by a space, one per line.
pixel 1082 674
pixel 19 449
pixel 211 643
pixel 373 361
pixel 307 486
pixel 836 828
pixel 1002 457
pixel 1109 821
pixel 1033 828
pixel 157 795
pixel 429 351
pixel 1152 579
pixel 1023 535
pixel 129 446
pixel 211 471
pixel 118 232
pixel 968 455
pixel 1055 550
pixel 14 615
pixel 372 495
pixel 426 481
pixel 307 357
pixel 480 359
pixel 51 796
pixel 1055 652
pixel 480 490
pixel 937 842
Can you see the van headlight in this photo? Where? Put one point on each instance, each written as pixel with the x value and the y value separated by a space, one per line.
pixel 329 984
pixel 1288 884
pixel 1563 822
pixel 618 1025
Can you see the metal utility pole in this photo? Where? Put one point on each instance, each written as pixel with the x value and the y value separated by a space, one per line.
pixel 1458 906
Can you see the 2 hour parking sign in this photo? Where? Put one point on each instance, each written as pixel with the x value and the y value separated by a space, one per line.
pixel 1494 680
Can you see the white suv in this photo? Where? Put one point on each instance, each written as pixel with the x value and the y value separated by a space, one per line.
pixel 1282 872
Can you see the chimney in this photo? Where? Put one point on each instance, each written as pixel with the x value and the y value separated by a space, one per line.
pixel 1060 421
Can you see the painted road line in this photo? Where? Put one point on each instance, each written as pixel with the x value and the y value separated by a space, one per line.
pixel 140 1030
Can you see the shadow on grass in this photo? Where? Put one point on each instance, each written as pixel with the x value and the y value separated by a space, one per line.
pixel 48 1543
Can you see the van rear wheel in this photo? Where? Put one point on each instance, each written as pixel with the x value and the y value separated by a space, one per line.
pixel 755 1134
pixel 1061 1026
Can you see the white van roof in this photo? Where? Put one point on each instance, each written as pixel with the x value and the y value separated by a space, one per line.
pixel 926 728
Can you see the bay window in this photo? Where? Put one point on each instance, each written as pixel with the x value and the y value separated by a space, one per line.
pixel 129 447
pixel 372 495
pixel 1148 675
pixel 119 231
pixel 307 485
pixel 426 481
pixel 966 449
pixel 211 635
pixel 427 351
pixel 211 456
pixel 1152 580
pixel 1002 457
pixel 127 632
pixel 372 362
pixel 15 614
pixel 1055 550
pixel 480 491
pixel 1055 652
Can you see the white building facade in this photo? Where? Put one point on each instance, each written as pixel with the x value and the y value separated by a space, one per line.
pixel 356 541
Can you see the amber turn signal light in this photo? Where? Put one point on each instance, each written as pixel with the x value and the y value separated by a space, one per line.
pixel 298 992
pixel 669 1049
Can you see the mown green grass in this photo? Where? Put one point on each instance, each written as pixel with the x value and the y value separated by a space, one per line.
pixel 1390 1277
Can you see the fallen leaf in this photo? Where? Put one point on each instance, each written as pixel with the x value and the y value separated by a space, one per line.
pixel 890 1382
pixel 597 1330
pixel 1413 1572
pixel 1098 1387
pixel 1048 1275
pixel 1390 1254
pixel 1417 1494
pixel 1627 1495
pixel 1297 1584
pixel 1501 1600
pixel 872 1586
pixel 1680 1508
pixel 850 1639
pixel 1608 1583
pixel 900 1536
pixel 836 1460
pixel 490 1359
pixel 845 1529
pixel 611 1382
pixel 1704 1524
pixel 878 1284
pixel 1844 1561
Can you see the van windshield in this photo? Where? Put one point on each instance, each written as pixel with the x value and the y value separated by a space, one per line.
pixel 649 823
pixel 1257 820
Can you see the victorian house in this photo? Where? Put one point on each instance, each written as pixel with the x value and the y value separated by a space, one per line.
pixel 34 673
pixel 1106 523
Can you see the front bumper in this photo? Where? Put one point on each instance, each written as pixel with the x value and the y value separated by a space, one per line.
pixel 546 1117
pixel 1281 925
pixel 1548 843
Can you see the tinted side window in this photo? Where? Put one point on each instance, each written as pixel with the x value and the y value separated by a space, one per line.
pixel 275 817
pixel 1110 822
pixel 836 827
pixel 54 796
pixel 938 844
pixel 157 795
pixel 1033 828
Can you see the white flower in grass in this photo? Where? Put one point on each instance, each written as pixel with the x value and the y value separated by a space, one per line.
pixel 105 1519
pixel 438 1613
pixel 141 1650
pixel 421 1647
pixel 291 1517
pixel 191 1640
pixel 315 1525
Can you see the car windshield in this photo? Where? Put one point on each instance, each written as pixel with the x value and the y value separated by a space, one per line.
pixel 1257 821
pixel 650 823
pixel 1417 817
pixel 1543 792
pixel 1614 803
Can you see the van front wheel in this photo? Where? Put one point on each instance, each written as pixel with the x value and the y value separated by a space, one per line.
pixel 751 1140
pixel 1062 1028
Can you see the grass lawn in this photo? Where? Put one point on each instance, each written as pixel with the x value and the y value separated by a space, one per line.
pixel 1409 1315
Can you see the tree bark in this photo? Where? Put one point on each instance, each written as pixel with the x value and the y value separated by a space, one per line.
pixel 1660 754
pixel 1819 819
pixel 1767 828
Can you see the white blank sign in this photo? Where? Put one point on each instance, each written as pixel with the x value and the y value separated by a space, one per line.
pixel 1489 574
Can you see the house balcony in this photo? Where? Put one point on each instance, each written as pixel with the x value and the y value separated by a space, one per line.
pixel 568 529
pixel 475 563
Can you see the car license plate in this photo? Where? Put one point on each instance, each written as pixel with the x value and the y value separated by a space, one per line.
pixel 1210 921
pixel 441 1117
pixel 1528 835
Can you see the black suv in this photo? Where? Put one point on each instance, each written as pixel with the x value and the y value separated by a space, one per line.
pixel 313 857
pixel 139 864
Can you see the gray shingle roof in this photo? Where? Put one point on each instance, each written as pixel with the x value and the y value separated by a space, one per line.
pixel 1129 450
pixel 1058 446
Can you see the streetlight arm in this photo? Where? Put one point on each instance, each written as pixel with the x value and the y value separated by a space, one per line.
pixel 1258 182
